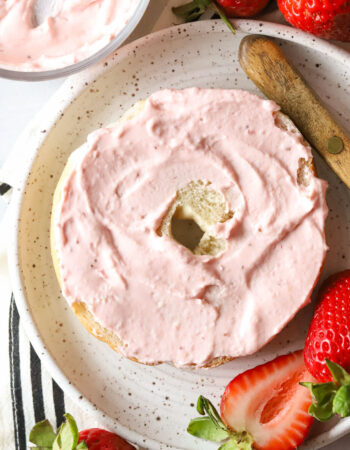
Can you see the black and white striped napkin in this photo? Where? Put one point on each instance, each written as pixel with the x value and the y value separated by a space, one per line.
pixel 28 393
pixel 46 398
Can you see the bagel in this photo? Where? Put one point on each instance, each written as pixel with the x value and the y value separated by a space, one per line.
pixel 178 232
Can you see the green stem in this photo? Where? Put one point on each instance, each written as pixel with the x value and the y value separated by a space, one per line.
pixel 214 6
pixel 193 10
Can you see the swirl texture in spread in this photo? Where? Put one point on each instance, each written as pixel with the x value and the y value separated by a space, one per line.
pixel 74 31
pixel 164 302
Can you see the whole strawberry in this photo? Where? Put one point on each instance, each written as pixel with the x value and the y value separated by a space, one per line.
pixel 67 437
pixel 242 8
pixel 329 332
pixel 329 19
pixel 97 439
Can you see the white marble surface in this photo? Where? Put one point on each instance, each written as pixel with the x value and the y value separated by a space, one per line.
pixel 20 101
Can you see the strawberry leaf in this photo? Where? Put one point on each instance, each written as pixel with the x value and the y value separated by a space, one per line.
pixel 40 448
pixel 321 392
pixel 341 402
pixel 200 406
pixel 223 16
pixel 234 445
pixel 205 428
pixel 42 434
pixel 321 413
pixel 57 445
pixel 339 374
pixel 193 10
pixel 238 441
pixel 68 435
pixel 332 397
pixel 212 428
pixel 210 409
pixel 323 395
pixel 229 445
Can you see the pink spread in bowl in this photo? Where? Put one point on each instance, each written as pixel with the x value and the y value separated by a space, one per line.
pixel 163 301
pixel 72 32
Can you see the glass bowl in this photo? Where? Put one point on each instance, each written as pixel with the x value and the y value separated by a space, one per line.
pixel 85 63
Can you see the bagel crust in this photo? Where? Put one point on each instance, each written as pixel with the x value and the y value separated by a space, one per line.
pixel 177 233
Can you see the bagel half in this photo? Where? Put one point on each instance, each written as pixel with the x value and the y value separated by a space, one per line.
pixel 198 197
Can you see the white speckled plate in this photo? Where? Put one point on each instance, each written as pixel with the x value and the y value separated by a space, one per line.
pixel 152 405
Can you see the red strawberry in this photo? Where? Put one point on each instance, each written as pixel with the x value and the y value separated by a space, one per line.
pixel 265 407
pixel 329 332
pixel 97 439
pixel 67 437
pixel 329 19
pixel 242 8
pixel 272 405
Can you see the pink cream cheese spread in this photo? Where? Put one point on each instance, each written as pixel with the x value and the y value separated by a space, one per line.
pixel 75 30
pixel 163 301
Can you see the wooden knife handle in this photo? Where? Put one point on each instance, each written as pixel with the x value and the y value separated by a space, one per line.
pixel 266 65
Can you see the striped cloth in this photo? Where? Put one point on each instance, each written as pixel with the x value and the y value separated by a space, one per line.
pixel 26 373
pixel 34 395
pixel 28 394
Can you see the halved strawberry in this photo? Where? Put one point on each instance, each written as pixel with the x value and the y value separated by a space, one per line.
pixel 263 408
pixel 269 403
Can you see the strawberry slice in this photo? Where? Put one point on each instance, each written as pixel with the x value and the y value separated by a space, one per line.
pixel 269 403
pixel 264 408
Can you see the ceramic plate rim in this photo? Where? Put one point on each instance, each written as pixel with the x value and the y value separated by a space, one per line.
pixel 49 114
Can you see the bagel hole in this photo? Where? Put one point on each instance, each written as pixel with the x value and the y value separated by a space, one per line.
pixel 185 230
pixel 190 219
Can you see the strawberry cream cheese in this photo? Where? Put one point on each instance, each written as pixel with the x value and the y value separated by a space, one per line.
pixel 75 30
pixel 163 301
